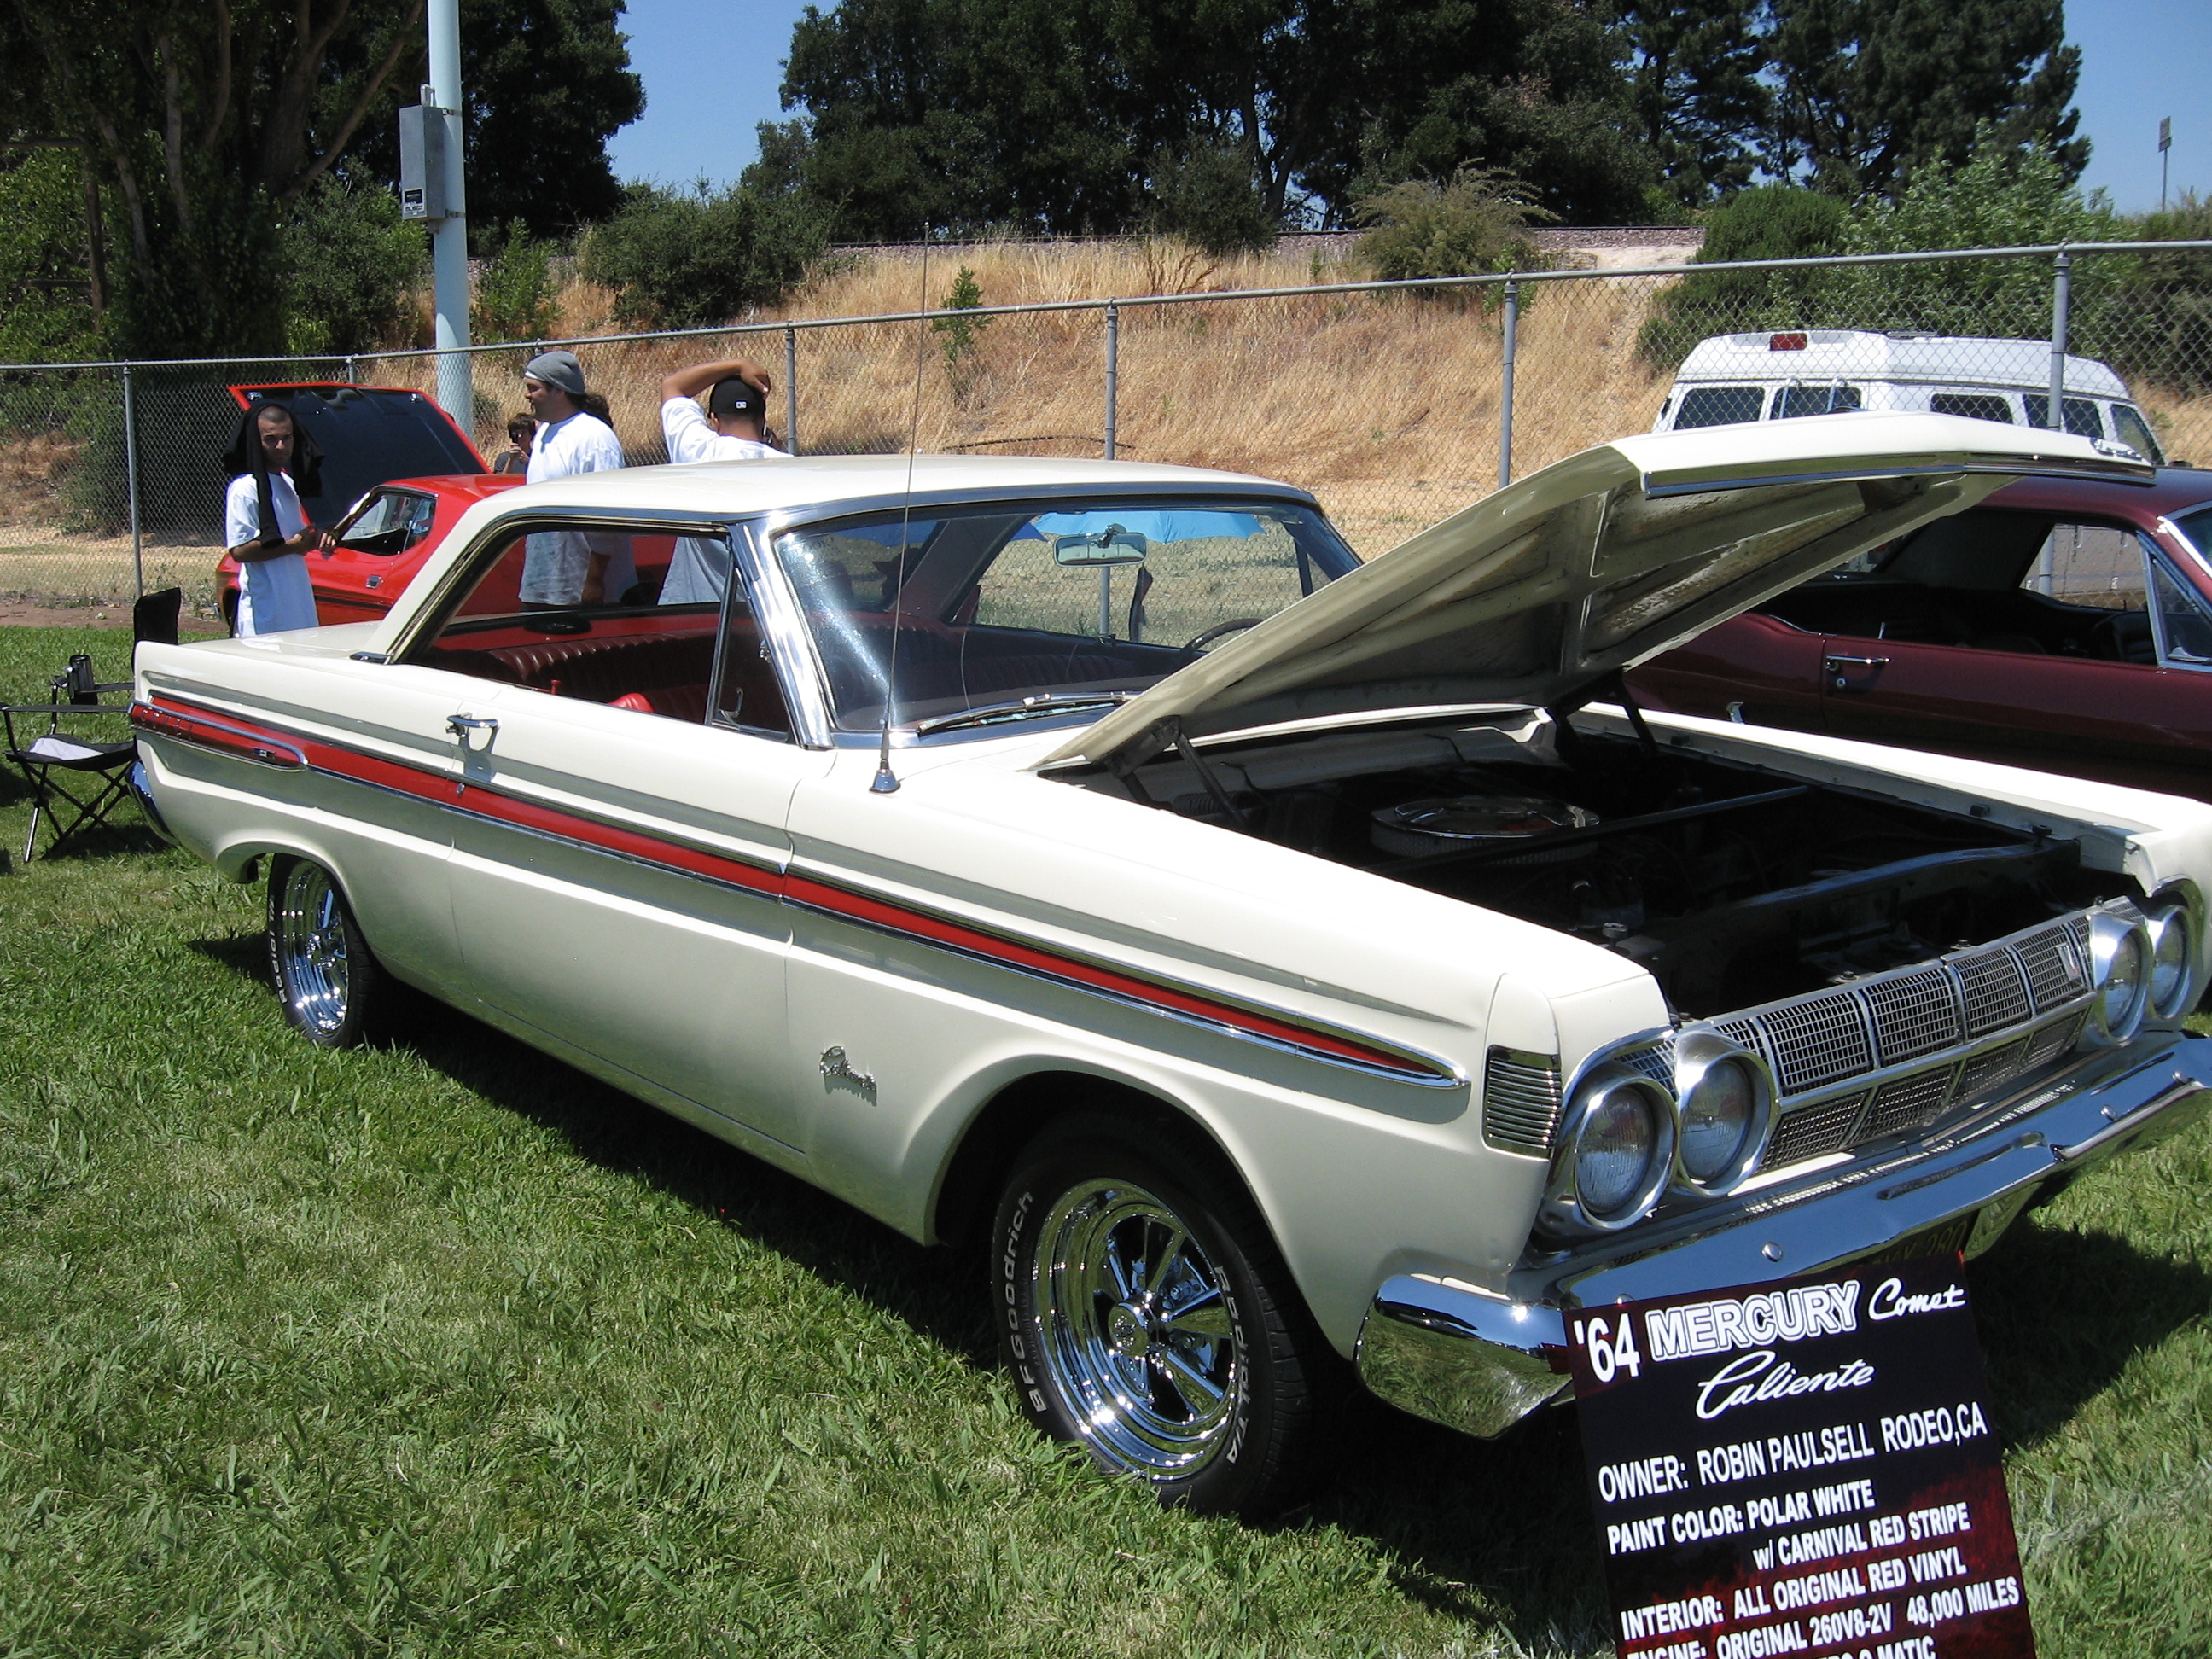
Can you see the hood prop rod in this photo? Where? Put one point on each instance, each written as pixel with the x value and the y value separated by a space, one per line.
pixel 1191 758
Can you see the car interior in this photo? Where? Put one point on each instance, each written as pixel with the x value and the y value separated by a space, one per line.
pixel 1999 580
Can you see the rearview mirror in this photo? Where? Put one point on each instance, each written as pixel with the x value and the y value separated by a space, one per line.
pixel 1110 546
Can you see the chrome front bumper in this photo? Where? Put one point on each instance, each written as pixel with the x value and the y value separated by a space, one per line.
pixel 1480 1362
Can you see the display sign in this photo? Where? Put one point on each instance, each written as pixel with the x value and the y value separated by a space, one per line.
pixel 1804 1466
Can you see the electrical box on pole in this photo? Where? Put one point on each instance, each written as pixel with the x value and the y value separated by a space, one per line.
pixel 422 162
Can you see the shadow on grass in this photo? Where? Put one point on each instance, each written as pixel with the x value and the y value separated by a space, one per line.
pixel 2061 1313
pixel 1488 1532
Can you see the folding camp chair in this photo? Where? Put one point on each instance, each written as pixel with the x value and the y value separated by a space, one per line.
pixel 76 782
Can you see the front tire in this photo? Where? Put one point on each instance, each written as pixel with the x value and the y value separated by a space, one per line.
pixel 1143 1313
pixel 333 992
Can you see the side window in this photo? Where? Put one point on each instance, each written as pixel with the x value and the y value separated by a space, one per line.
pixel 746 692
pixel 2134 432
pixel 2090 564
pixel 641 656
pixel 390 521
pixel 2081 418
pixel 1797 400
pixel 2182 620
pixel 1719 405
pixel 1974 405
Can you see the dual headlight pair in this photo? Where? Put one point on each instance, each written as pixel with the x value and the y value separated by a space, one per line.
pixel 1626 1137
pixel 2138 968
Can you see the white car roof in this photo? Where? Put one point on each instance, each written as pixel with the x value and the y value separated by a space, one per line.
pixel 1864 354
pixel 825 481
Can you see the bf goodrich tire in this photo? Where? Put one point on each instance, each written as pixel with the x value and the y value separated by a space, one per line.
pixel 1143 1313
pixel 333 992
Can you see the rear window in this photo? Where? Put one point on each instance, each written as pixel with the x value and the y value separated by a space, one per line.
pixel 1974 405
pixel 1797 400
pixel 1719 405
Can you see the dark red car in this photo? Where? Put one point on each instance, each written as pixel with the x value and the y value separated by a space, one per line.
pixel 2064 625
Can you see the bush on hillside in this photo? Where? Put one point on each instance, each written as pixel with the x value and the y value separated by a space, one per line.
pixel 1773 221
pixel 1480 222
pixel 2156 325
pixel 688 261
pixel 514 289
pixel 351 263
pixel 1207 197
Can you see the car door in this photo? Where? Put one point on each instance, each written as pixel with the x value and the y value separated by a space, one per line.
pixel 2063 674
pixel 1754 668
pixel 619 844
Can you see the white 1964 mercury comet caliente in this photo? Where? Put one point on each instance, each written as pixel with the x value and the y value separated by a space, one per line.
pixel 1286 960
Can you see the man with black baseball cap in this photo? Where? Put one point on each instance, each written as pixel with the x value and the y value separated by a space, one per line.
pixel 732 427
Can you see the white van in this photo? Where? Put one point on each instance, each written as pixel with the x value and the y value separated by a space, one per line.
pixel 1772 377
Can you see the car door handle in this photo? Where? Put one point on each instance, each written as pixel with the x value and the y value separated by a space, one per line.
pixel 461 725
pixel 1863 662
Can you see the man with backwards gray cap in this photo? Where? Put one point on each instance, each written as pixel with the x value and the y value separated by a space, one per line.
pixel 565 567
pixel 732 428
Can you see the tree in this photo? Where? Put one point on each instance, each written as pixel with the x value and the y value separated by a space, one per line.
pixel 1087 115
pixel 1700 105
pixel 1480 222
pixel 351 261
pixel 1870 90
pixel 209 125
pixel 548 83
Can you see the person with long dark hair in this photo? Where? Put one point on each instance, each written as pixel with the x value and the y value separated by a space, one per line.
pixel 562 567
pixel 264 527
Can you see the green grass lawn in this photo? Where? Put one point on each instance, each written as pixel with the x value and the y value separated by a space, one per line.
pixel 446 1348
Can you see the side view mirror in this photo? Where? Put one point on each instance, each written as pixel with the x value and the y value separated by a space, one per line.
pixel 1101 549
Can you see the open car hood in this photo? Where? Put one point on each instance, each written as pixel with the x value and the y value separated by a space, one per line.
pixel 1544 590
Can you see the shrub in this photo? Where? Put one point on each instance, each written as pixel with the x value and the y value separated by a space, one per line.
pixel 514 291
pixel 350 264
pixel 688 261
pixel 1480 222
pixel 1773 221
pixel 1206 196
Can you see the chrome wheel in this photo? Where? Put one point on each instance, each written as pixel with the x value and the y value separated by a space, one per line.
pixel 1137 1329
pixel 311 960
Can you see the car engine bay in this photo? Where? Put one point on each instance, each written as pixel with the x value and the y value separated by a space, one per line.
pixel 1732 884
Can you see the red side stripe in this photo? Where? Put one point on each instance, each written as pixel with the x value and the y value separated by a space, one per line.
pixel 240 737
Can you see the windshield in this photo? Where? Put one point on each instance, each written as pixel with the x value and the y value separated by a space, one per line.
pixel 998 605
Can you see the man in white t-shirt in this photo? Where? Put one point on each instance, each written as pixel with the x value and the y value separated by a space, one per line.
pixel 732 427
pixel 564 568
pixel 274 591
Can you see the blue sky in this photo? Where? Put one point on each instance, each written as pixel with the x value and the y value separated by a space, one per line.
pixel 712 67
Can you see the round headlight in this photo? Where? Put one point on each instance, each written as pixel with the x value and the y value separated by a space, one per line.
pixel 1612 1154
pixel 2173 961
pixel 1726 1109
pixel 1716 1118
pixel 2119 977
pixel 1615 1151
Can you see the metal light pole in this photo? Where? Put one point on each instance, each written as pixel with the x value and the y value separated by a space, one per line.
pixel 2164 143
pixel 450 238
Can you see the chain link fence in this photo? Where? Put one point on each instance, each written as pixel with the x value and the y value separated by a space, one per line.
pixel 1397 404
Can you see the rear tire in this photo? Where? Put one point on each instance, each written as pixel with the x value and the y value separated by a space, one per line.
pixel 1143 1313
pixel 333 991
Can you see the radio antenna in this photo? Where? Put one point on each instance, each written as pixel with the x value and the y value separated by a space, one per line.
pixel 885 781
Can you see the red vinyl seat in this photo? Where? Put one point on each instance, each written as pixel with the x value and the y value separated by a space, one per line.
pixel 678 702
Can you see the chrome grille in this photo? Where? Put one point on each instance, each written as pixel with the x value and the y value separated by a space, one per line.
pixel 1521 1100
pixel 1985 1072
pixel 1655 1060
pixel 1816 1039
pixel 2054 1039
pixel 1915 1014
pixel 2053 966
pixel 1813 1132
pixel 1997 996
pixel 1907 1103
